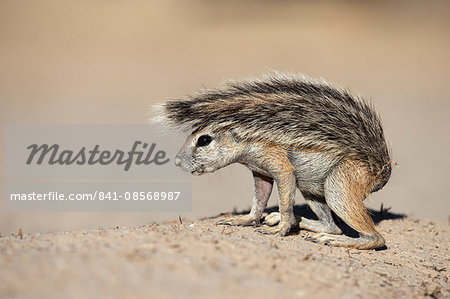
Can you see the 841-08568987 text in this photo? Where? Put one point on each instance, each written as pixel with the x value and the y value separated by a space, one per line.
pixel 171 195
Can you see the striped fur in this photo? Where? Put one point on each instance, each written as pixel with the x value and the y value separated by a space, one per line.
pixel 292 111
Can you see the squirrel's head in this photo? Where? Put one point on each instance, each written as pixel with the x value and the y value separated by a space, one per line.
pixel 207 151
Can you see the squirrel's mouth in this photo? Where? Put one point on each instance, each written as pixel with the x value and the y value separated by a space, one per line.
pixel 199 171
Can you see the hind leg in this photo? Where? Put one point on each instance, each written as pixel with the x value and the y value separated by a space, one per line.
pixel 325 224
pixel 345 189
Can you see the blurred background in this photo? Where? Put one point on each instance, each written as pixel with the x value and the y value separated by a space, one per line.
pixel 104 62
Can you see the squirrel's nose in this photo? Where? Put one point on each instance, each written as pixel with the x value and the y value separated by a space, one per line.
pixel 177 160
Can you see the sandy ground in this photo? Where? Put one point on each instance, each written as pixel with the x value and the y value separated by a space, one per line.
pixel 200 259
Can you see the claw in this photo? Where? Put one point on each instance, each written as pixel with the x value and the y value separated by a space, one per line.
pixel 264 231
pixel 223 222
pixel 311 239
pixel 244 220
pixel 252 223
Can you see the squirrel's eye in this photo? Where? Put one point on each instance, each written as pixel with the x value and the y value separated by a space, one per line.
pixel 204 140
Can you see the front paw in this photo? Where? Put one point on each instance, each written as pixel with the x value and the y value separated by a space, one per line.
pixel 282 229
pixel 245 220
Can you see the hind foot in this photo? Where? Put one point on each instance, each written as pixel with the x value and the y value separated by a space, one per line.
pixel 363 242
pixel 319 226
pixel 274 218
pixel 240 220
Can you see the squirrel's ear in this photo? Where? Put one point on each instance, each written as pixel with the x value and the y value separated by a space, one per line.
pixel 157 114
pixel 235 136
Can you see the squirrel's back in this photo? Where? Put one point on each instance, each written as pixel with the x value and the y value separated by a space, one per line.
pixel 294 112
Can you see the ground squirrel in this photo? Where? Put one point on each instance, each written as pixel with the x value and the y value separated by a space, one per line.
pixel 299 132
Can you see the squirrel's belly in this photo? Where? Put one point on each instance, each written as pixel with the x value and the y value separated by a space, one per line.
pixel 311 169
